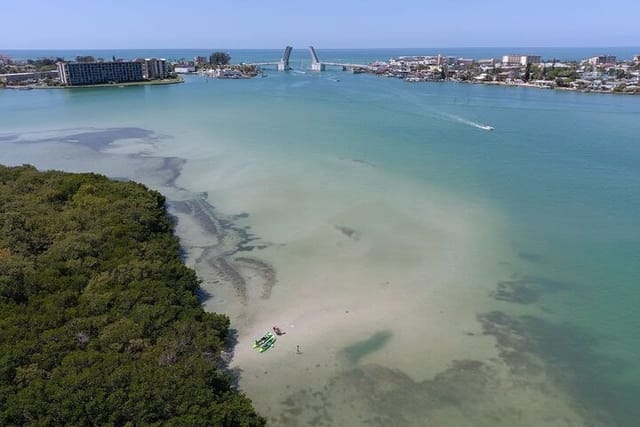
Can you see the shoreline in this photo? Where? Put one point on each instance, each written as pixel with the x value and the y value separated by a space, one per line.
pixel 535 86
pixel 102 85
pixel 388 386
pixel 524 85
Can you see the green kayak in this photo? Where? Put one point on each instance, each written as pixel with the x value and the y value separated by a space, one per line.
pixel 267 344
pixel 263 339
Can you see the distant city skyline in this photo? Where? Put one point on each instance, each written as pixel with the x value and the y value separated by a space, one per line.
pixel 126 24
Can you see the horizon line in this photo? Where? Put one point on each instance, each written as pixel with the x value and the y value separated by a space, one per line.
pixel 331 48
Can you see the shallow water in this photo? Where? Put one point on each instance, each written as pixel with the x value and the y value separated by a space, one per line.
pixel 429 270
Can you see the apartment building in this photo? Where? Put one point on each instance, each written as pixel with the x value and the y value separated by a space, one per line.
pixel 89 73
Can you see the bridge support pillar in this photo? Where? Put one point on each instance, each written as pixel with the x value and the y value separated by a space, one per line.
pixel 317 66
pixel 283 65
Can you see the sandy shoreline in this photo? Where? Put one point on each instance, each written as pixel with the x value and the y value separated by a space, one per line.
pixel 389 301
pixel 387 313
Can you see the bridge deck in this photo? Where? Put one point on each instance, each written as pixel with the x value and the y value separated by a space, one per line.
pixel 284 62
pixel 340 64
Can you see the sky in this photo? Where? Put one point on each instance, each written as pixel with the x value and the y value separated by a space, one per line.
pixel 122 24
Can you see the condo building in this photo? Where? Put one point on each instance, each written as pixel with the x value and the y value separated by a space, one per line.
pixel 520 59
pixel 89 73
pixel 154 68
pixel 602 59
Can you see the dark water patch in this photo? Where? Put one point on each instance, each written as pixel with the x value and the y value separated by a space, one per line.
pixel 513 345
pixel 293 411
pixel 241 215
pixel 242 235
pixel 347 231
pixel 531 257
pixel 391 397
pixel 230 275
pixel 465 379
pixel 359 161
pixel 99 139
pixel 549 285
pixel 264 270
pixel 227 239
pixel 200 211
pixel 517 292
pixel 306 407
pixel 214 256
pixel 375 342
pixel 96 139
pixel 364 162
pixel 318 420
pixel 528 289
pixel 9 138
pixel 173 166
pixel 573 358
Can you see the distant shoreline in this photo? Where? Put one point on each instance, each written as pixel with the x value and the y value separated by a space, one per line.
pixel 535 86
pixel 102 85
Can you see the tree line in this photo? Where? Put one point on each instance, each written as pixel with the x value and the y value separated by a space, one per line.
pixel 100 321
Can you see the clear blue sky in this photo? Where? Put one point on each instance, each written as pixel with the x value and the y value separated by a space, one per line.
pixel 86 24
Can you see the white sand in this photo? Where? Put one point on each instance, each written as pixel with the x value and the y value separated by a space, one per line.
pixel 358 254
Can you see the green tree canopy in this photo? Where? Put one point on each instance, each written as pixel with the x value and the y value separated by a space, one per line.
pixel 219 58
pixel 100 323
pixel 87 58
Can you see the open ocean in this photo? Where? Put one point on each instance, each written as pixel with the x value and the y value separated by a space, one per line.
pixel 432 272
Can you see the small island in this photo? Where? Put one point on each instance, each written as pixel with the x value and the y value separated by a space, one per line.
pixel 100 322
pixel 218 66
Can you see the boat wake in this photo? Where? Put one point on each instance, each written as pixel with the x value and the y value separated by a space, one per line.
pixel 470 123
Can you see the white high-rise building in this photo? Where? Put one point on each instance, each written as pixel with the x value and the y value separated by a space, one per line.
pixel 602 59
pixel 520 59
pixel 154 68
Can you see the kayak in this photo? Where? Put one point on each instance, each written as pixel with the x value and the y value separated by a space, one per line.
pixel 267 344
pixel 262 340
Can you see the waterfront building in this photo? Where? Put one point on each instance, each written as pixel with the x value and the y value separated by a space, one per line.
pixel 602 59
pixel 27 77
pixel 520 59
pixel 490 62
pixel 184 69
pixel 530 59
pixel 511 60
pixel 88 73
pixel 154 68
pixel 555 65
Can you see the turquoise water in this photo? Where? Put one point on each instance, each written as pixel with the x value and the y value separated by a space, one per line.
pixel 560 174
